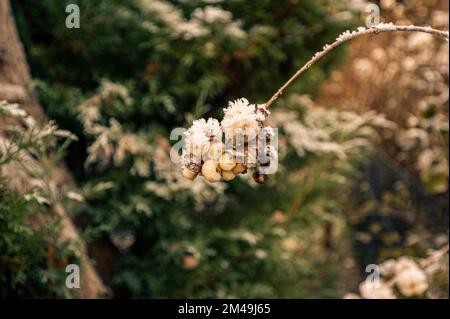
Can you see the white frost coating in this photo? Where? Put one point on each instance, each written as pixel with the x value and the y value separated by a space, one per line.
pixel 240 114
pixel 348 35
pixel 386 26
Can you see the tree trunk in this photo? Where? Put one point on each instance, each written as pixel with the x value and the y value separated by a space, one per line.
pixel 14 87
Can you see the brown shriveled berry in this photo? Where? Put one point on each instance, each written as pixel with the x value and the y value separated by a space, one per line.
pixel 192 162
pixel 240 169
pixel 258 178
pixel 187 173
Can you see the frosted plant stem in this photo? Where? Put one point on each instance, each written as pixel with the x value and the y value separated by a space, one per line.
pixel 346 36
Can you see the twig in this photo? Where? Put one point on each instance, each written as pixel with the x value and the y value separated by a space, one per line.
pixel 436 255
pixel 346 36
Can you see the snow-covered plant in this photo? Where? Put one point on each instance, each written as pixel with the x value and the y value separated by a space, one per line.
pixel 34 250
pixel 243 123
pixel 220 151
pixel 323 131
pixel 202 22
pixel 24 148
pixel 405 277
pixel 148 159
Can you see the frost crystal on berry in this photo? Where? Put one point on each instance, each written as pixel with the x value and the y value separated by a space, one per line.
pixel 240 116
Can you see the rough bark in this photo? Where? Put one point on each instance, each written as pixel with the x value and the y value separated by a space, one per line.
pixel 14 87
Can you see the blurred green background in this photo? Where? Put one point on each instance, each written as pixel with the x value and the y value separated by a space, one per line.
pixel 348 192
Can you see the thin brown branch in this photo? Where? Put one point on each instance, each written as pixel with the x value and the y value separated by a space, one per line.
pixel 347 36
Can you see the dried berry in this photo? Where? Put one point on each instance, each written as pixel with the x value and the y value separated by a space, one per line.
pixel 211 171
pixel 258 178
pixel 226 162
pixel 228 176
